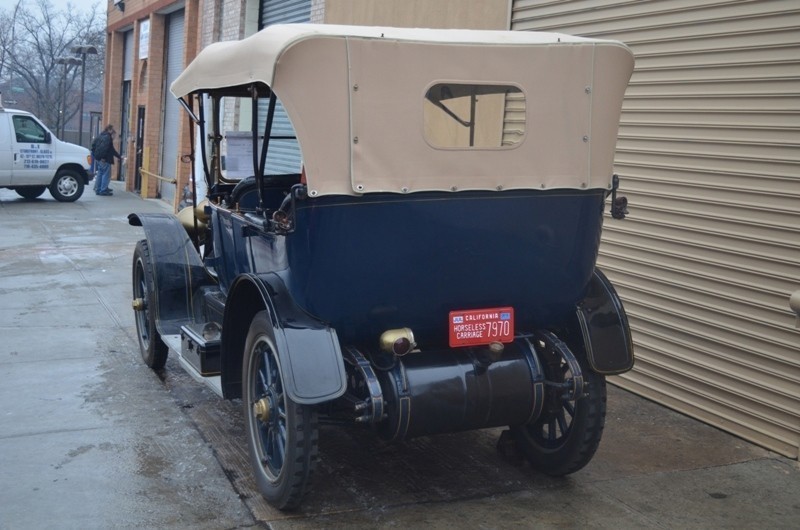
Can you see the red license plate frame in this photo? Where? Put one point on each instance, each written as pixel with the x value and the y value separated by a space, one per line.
pixel 478 327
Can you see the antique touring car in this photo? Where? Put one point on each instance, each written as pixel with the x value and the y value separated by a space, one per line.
pixel 427 266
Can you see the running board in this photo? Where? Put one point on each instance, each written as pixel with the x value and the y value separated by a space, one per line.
pixel 214 382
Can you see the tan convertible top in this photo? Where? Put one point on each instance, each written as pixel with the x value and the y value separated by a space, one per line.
pixel 360 97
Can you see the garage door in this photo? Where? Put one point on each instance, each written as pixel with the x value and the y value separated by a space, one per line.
pixel 172 109
pixel 709 158
pixel 284 155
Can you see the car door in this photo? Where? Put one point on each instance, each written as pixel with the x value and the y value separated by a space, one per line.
pixel 32 152
pixel 6 152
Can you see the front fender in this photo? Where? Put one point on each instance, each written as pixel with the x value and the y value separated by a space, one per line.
pixel 604 326
pixel 308 349
pixel 78 169
pixel 178 270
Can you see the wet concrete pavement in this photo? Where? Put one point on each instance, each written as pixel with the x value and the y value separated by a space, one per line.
pixel 91 438
pixel 88 438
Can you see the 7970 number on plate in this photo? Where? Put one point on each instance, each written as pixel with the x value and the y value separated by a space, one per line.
pixel 475 327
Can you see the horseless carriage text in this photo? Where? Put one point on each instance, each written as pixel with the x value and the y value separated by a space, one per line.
pixel 430 268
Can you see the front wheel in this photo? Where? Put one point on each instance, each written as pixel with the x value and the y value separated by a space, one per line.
pixel 154 351
pixel 67 186
pixel 282 435
pixel 565 436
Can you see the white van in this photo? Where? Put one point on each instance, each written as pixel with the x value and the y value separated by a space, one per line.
pixel 32 159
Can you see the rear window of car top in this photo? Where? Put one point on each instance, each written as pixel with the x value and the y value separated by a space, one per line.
pixel 474 116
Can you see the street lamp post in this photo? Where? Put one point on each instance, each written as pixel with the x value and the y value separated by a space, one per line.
pixel 67 62
pixel 83 51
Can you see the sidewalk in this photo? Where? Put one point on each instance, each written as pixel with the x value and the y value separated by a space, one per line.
pixel 89 436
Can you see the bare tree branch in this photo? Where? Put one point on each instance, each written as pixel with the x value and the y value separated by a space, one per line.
pixel 32 38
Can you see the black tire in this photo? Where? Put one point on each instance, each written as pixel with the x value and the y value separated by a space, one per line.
pixel 30 192
pixel 67 186
pixel 282 442
pixel 154 351
pixel 565 436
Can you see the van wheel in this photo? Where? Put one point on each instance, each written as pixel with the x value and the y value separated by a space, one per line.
pixel 67 186
pixel 30 192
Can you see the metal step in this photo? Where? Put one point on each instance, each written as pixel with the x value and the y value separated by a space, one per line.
pixel 213 382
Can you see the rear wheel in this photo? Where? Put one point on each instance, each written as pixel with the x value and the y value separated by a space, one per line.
pixel 282 435
pixel 154 351
pixel 67 186
pixel 565 436
pixel 30 192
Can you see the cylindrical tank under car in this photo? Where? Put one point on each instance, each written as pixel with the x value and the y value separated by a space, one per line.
pixel 442 391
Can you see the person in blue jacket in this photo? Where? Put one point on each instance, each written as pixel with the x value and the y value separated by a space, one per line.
pixel 103 153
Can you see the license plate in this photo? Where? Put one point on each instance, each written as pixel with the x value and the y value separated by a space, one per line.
pixel 475 327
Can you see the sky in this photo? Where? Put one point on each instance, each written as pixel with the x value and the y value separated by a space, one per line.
pixel 80 5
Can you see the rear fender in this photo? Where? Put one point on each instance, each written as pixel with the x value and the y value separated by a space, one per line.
pixel 308 349
pixel 604 326
pixel 178 270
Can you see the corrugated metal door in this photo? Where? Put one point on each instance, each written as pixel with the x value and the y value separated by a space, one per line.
pixel 284 12
pixel 127 77
pixel 709 157
pixel 127 59
pixel 172 109
pixel 284 155
pixel 514 118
